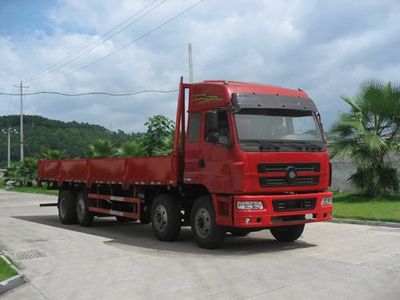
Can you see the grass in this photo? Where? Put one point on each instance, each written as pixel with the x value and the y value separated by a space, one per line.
pixel 5 270
pixel 34 190
pixel 356 206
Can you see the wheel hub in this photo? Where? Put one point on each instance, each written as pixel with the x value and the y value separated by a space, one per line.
pixel 81 209
pixel 203 223
pixel 160 218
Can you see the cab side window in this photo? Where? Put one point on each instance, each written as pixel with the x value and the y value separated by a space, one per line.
pixel 194 127
pixel 217 128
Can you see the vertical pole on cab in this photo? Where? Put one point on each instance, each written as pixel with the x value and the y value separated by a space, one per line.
pixel 179 133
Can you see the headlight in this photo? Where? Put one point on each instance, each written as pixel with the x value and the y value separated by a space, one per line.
pixel 326 201
pixel 249 205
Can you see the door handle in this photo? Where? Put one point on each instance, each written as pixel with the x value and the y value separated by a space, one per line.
pixel 202 163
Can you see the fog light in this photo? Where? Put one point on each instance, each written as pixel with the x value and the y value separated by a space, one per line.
pixel 326 201
pixel 249 205
pixel 247 220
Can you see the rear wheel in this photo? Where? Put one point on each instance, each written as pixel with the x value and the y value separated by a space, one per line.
pixel 287 233
pixel 66 207
pixel 205 230
pixel 165 218
pixel 83 215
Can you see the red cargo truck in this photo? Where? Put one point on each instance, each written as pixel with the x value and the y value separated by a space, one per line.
pixel 253 157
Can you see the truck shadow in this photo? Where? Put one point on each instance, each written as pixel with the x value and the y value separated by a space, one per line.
pixel 133 234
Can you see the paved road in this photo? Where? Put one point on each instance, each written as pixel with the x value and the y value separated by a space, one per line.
pixel 124 261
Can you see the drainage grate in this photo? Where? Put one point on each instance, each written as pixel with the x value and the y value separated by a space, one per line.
pixel 22 255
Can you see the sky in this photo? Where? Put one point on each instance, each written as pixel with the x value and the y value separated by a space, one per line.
pixel 327 48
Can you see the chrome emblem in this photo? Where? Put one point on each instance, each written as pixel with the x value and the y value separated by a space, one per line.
pixel 291 174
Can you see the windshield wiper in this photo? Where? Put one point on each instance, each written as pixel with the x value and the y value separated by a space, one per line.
pixel 293 145
pixel 268 146
pixel 262 144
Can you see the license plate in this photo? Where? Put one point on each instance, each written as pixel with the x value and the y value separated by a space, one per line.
pixel 308 216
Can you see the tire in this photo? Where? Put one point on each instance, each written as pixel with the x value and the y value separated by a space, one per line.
pixel 287 233
pixel 124 219
pixel 239 232
pixel 66 207
pixel 165 218
pixel 206 232
pixel 83 215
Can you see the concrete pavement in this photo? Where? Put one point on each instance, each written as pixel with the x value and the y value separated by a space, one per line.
pixel 125 261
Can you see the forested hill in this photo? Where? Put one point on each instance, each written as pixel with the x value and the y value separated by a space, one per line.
pixel 42 134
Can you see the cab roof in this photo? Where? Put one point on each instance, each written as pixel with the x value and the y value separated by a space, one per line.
pixel 239 87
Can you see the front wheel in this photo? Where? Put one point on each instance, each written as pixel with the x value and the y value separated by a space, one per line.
pixel 287 233
pixel 206 232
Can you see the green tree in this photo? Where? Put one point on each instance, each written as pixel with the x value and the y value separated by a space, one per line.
pixel 368 133
pixel 158 137
pixel 101 148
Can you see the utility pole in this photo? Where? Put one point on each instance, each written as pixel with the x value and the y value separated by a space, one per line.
pixel 8 148
pixel 190 63
pixel 8 131
pixel 21 87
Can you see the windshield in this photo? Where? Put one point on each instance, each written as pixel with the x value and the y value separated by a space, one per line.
pixel 278 129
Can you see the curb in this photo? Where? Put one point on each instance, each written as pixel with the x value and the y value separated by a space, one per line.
pixel 12 282
pixel 365 222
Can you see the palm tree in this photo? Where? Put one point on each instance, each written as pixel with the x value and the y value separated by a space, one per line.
pixel 131 149
pixel 102 148
pixel 164 146
pixel 24 172
pixel 368 133
pixel 53 154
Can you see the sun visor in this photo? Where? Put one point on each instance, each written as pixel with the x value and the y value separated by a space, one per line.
pixel 242 101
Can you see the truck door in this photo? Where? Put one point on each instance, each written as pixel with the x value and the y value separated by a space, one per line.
pixel 216 154
pixel 208 151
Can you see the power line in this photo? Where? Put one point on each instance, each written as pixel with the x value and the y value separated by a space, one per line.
pixel 125 46
pixel 120 94
pixel 73 56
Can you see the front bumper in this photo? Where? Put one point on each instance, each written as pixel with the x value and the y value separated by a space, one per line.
pixel 268 217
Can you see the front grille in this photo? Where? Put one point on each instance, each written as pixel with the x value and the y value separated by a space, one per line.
pixel 294 204
pixel 300 167
pixel 282 181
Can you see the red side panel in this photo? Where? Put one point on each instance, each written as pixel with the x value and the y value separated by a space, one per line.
pixel 106 170
pixel 150 170
pixel 145 171
pixel 49 169
pixel 72 170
